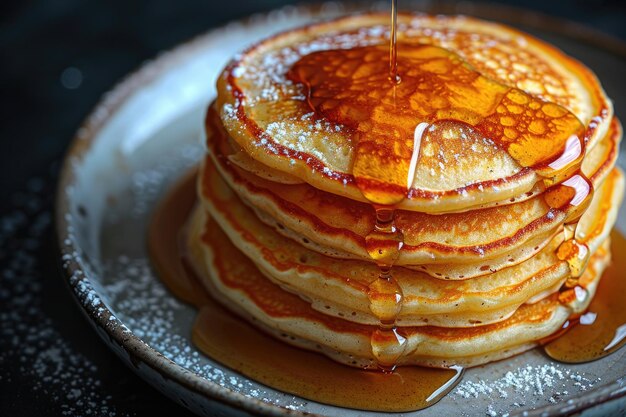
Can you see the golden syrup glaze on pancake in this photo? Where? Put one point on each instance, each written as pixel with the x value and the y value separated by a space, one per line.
pixel 467 44
pixel 332 219
pixel 235 343
pixel 350 87
pixel 327 282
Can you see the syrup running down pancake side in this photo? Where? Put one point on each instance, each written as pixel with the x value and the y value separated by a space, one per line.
pixel 601 330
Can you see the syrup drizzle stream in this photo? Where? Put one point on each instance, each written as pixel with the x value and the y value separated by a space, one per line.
pixel 384 244
pixel 393 44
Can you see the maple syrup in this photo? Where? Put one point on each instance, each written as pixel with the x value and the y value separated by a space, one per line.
pixel 437 87
pixel 384 293
pixel 166 238
pixel 393 44
pixel 601 330
pixel 235 343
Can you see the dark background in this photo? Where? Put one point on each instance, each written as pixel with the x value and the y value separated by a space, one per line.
pixel 57 58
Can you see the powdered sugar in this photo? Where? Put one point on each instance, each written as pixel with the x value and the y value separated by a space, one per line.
pixel 526 386
pixel 28 336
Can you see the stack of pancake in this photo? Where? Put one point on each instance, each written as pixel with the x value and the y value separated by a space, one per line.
pixel 488 265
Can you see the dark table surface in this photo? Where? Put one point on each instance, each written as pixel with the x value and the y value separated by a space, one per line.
pixel 56 59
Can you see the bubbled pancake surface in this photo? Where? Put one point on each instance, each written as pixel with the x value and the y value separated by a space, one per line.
pixel 265 114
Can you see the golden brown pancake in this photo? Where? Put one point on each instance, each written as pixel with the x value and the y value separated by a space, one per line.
pixel 266 114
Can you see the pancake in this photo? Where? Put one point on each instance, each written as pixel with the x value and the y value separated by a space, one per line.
pixel 263 109
pixel 451 246
pixel 238 284
pixel 339 287
pixel 456 215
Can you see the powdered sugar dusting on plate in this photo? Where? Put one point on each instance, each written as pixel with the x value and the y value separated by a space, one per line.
pixel 28 336
pixel 526 386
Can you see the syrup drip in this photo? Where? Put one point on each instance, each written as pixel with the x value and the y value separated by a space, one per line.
pixel 574 196
pixel 384 244
pixel 602 329
pixel 240 346
pixel 385 295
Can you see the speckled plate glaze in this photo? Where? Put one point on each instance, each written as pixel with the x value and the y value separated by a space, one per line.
pixel 145 134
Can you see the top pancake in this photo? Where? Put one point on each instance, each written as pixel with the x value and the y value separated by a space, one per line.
pixel 266 114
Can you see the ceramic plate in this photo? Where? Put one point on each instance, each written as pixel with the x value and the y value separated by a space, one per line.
pixel 140 139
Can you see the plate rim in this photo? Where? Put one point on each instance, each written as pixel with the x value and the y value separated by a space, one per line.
pixel 107 324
